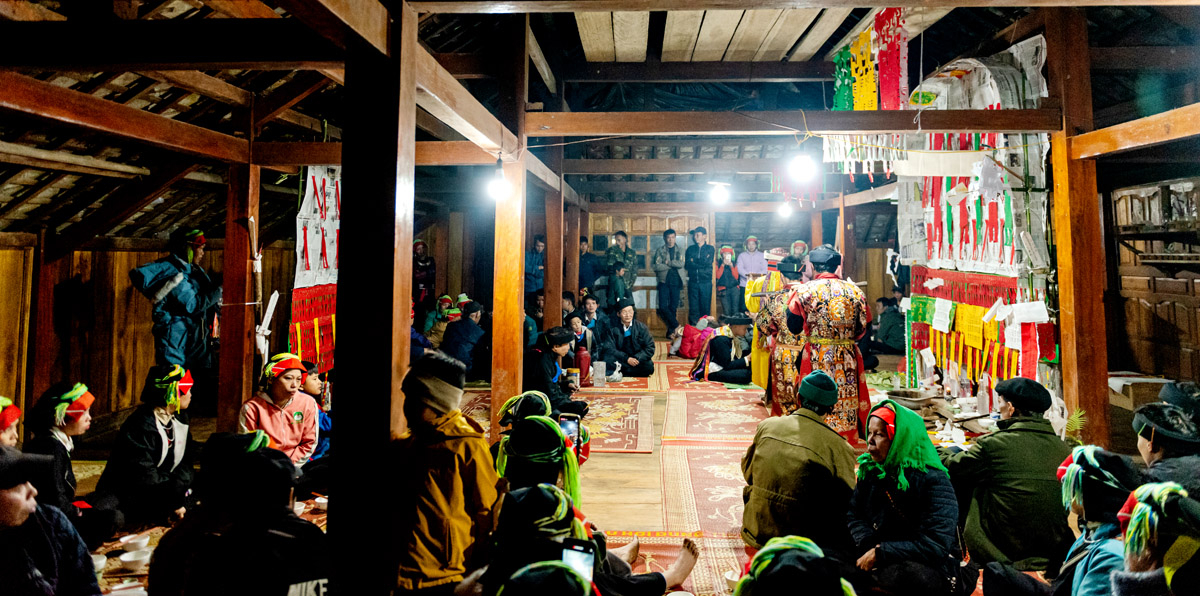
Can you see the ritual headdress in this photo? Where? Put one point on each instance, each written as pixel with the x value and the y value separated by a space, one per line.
pixel 61 403
pixel 546 577
pixel 1167 426
pixel 537 445
pixel 462 299
pixel 789 561
pixel 825 255
pixel 281 363
pixel 185 240
pixel 419 242
pixel 542 511
pixel 911 448
pixel 1164 512
pixel 1183 394
pixel 791 267
pixel 166 384
pixel 453 314
pixel 9 413
pixel 1096 480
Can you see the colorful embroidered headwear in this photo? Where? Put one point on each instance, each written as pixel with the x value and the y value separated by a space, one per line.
pixel 542 510
pixel 166 385
pixel 911 447
pixel 746 243
pixel 1098 481
pixel 799 249
pixel 727 249
pixel 1164 512
pixel 453 314
pixel 462 299
pixel 67 405
pixel 188 240
pixel 537 445
pixel 546 577
pixel 519 407
pixel 419 242
pixel 9 413
pixel 444 302
pixel 281 363
pixel 789 561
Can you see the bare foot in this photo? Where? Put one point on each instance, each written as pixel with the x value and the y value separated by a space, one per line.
pixel 682 568
pixel 628 552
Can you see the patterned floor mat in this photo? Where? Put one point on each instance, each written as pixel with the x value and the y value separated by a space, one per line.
pixel 676 377
pixel 713 415
pixel 618 423
pixel 702 488
pixel 658 550
pixel 477 405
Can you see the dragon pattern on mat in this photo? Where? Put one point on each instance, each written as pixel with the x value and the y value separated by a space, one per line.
pixel 726 412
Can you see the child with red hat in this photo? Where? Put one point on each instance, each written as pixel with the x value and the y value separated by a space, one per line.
pixel 10 414
pixel 150 469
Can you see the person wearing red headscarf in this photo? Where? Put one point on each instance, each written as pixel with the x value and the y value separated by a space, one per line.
pixel 150 469
pixel 282 410
pixel 10 414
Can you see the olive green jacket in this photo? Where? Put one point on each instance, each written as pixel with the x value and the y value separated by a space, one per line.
pixel 796 469
pixel 1008 488
pixel 629 257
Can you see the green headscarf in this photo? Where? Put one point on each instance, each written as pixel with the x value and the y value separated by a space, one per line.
pixel 911 447
pixel 775 546
pixel 556 454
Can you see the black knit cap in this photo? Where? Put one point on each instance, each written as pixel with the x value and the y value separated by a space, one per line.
pixel 796 567
pixel 1026 395
pixel 625 302
pixel 1167 426
pixel 470 308
pixel 1186 395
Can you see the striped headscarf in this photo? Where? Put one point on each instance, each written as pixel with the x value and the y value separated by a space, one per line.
pixel 281 363
pixel 1155 514
pixel 167 384
pixel 57 407
pixel 1096 480
pixel 518 407
pixel 555 452
pixel 764 559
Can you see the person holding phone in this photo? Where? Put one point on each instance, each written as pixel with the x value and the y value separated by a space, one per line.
pixel 544 372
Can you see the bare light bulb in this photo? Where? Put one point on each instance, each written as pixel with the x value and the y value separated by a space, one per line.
pixel 719 193
pixel 785 210
pixel 498 188
pixel 802 168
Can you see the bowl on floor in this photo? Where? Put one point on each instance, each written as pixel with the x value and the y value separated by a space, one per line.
pixel 134 542
pixel 136 560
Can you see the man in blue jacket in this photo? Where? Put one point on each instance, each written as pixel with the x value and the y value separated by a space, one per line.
pixel 182 294
pixel 535 265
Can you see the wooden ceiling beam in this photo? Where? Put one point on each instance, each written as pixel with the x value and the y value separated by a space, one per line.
pixel 586 124
pixel 916 21
pixel 1147 58
pixel 1174 125
pixel 703 72
pixel 827 24
pixel 466 66
pixel 183 44
pixel 447 100
pixel 541 64
pixel 543 6
pixel 335 18
pixel 23 10
pixel 672 166
pixel 287 95
pixel 121 204
pixel 44 100
pixel 429 153
pixel 737 187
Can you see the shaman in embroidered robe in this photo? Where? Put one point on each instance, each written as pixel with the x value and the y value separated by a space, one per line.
pixel 833 314
pixel 786 350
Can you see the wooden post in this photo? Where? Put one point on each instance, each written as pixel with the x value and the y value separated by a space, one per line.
pixel 849 244
pixel 43 342
pixel 374 293
pixel 454 267
pixel 1077 228
pixel 552 316
pixel 817 233
pixel 508 297
pixel 571 253
pixel 236 372
pixel 441 251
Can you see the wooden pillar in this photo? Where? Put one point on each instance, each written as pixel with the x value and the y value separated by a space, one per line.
pixel 1077 228
pixel 374 294
pixel 552 317
pixel 508 277
pixel 817 233
pixel 43 342
pixel 236 372
pixel 441 251
pixel 849 244
pixel 458 257
pixel 571 252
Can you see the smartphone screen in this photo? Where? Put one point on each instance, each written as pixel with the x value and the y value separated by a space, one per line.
pixel 570 428
pixel 580 555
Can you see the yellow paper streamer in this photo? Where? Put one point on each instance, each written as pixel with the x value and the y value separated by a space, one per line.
pixel 317 336
pixel 862 65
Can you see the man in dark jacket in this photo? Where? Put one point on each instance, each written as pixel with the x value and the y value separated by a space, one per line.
pixel 726 363
pixel 698 261
pixel 535 265
pixel 667 265
pixel 462 336
pixel 1007 487
pixel 150 469
pixel 1169 441
pixel 629 344
pixel 40 551
pixel 798 465
pixel 544 373
pixel 245 515
pixel 591 267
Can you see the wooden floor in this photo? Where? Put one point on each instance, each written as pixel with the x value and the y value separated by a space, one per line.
pixel 623 491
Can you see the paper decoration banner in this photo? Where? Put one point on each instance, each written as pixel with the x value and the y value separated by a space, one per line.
pixel 969 320
pixel 318 224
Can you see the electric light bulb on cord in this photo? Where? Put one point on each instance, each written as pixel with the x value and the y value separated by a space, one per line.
pixel 802 168
pixel 498 187
pixel 785 210
pixel 719 193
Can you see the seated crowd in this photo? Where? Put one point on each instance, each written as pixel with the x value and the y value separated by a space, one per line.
pixel 905 517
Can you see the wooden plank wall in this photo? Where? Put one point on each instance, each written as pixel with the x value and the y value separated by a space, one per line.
pixel 102 325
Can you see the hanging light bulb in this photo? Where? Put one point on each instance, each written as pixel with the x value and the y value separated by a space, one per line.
pixel 719 193
pixel 498 187
pixel 785 210
pixel 802 168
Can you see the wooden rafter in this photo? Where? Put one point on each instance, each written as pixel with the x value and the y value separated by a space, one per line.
pixel 288 95
pixel 1147 58
pixel 541 6
pixel 16 203
pixel 827 24
pixel 199 44
pixel 916 21
pixel 546 124
pixel 708 72
pixel 30 96
pixel 738 187
pixel 334 18
pixel 1174 125
pixel 671 166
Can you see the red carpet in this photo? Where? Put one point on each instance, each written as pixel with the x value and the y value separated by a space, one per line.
pixel 659 550
pixel 675 377
pixel 620 424
pixel 713 415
